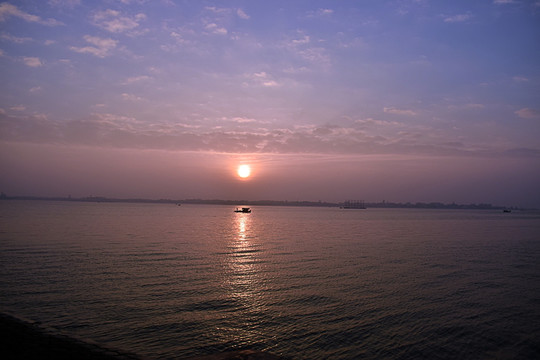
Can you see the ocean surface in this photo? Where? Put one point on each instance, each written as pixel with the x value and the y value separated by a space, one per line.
pixel 170 282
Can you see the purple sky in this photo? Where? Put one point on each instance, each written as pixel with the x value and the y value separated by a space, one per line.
pixel 399 100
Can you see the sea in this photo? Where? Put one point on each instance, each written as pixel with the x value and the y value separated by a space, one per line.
pixel 172 282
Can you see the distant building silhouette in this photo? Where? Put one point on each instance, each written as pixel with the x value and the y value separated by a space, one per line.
pixel 354 204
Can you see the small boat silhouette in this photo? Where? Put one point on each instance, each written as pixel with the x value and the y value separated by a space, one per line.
pixel 243 210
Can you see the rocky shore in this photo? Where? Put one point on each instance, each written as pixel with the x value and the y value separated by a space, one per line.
pixel 23 339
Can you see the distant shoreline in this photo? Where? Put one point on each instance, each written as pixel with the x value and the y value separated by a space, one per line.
pixel 383 204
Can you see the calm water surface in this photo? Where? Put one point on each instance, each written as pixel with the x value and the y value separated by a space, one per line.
pixel 311 283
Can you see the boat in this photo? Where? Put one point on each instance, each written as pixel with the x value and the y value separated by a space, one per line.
pixel 507 210
pixel 243 210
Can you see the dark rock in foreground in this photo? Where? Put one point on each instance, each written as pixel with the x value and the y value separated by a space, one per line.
pixel 21 339
pixel 239 355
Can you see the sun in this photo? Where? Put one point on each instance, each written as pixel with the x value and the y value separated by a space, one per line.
pixel 244 171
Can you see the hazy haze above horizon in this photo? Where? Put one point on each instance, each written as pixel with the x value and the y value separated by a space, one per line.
pixel 399 100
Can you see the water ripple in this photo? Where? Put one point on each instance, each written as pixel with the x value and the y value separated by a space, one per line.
pixel 307 283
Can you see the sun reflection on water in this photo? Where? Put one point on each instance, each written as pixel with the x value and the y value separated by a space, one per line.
pixel 242 228
pixel 243 259
pixel 244 282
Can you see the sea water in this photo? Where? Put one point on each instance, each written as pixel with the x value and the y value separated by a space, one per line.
pixel 167 281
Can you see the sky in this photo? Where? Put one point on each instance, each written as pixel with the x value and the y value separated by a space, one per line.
pixel 398 100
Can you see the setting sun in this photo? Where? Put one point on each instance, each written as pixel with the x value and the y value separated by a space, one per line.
pixel 244 171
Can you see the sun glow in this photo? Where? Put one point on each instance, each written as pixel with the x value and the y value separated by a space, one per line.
pixel 244 171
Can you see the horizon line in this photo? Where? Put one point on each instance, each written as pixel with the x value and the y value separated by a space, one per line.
pixel 267 202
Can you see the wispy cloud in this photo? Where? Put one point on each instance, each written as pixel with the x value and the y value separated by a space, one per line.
pixel 263 79
pixel 214 28
pixel 394 111
pixel 240 120
pixel 7 10
pixel 131 97
pixel 102 47
pixel 308 49
pixel 242 14
pixel 135 79
pixel 64 3
pixel 121 131
pixel 217 10
pixel 32 61
pixel 179 38
pixel 520 79
pixel 457 18
pixel 320 12
pixel 14 39
pixel 301 41
pixel 528 113
pixel 373 122
pixel 316 55
pixel 113 21
pixel 466 106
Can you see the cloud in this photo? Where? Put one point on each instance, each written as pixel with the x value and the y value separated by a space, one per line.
pixel 301 46
pixel 302 41
pixel 270 83
pixel 32 61
pixel 135 79
pixel 263 79
pixel 7 10
pixel 296 70
pixel 395 111
pixel 315 55
pixel 216 29
pixel 260 75
pixel 119 131
pixel 239 120
pixel 101 48
pixel 65 3
pixel 217 10
pixel 466 106
pixel 131 97
pixel 528 113
pixel 242 15
pixel 457 18
pixel 179 38
pixel 325 11
pixel 15 39
pixel 520 79
pixel 358 42
pixel 320 13
pixel 503 1
pixel 113 119
pixel 113 21
pixel 378 123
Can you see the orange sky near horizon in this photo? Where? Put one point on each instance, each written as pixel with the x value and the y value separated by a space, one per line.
pixel 49 170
